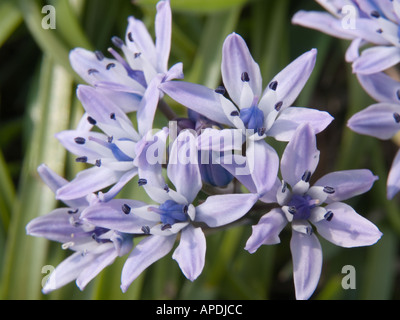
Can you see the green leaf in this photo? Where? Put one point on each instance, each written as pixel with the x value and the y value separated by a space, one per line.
pixel 10 19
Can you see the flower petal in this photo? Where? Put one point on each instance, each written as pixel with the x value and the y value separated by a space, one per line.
pixel 267 230
pixel 347 228
pixel 148 251
pixel 88 181
pixel 300 156
pixel 379 120
pixel 116 215
pixel 290 119
pixel 191 252
pixel 307 263
pixel 393 182
pixel 183 169
pixel 197 98
pixel 347 183
pixel 376 59
pixel 220 210
pixel 237 60
pixel 291 80
pixel 163 34
pixel 380 86
pixel 67 271
pixel 263 163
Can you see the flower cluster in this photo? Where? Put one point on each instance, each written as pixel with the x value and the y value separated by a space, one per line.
pixel 373 27
pixel 220 144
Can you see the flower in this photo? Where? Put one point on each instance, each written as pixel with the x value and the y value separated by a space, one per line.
pixel 111 153
pixel 267 113
pixel 175 213
pixel 372 23
pixel 381 120
pixel 133 82
pixel 94 247
pixel 302 206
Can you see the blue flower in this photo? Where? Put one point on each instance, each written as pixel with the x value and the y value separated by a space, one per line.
pixel 257 113
pixel 372 23
pixel 303 206
pixel 174 214
pixel 94 247
pixel 132 82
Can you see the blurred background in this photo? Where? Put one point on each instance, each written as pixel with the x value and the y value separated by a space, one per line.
pixel 37 99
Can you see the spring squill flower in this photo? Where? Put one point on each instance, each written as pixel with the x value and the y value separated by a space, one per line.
pixel 175 214
pixel 94 247
pixel 303 206
pixel 365 22
pixel 381 120
pixel 267 113
pixel 132 82
pixel 111 152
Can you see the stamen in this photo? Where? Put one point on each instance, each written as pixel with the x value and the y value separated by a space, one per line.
pixel 110 139
pixel 82 159
pixel 166 226
pixel 130 36
pixel 146 229
pixel 278 106
pixel 117 42
pixel 73 211
pixel 398 94
pixel 306 176
pixel 273 85
pixel 110 65
pixel 112 116
pixel 166 188
pixel 328 216
pixel 284 187
pixel 245 77
pixel 235 113
pixel 292 209
pixel 92 71
pixel 91 120
pixel 98 163
pixel 126 209
pixel 99 55
pixel 375 14
pixel 329 190
pixel 137 55
pixel 261 131
pixel 396 117
pixel 220 90
pixel 142 182
pixel 67 245
pixel 80 140
pixel 379 31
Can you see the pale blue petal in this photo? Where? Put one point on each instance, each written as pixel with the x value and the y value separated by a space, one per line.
pixel 380 86
pixel 183 167
pixel 191 252
pixel 376 59
pixel 378 120
pixel 290 119
pixel 236 60
pixel 267 230
pixel 307 263
pixel 148 251
pixel 393 182
pixel 197 98
pixel 347 228
pixel 300 156
pixel 163 34
pixel 347 183
pixel 220 210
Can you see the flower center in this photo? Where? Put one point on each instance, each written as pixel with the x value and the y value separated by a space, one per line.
pixel 253 117
pixel 172 212
pixel 300 206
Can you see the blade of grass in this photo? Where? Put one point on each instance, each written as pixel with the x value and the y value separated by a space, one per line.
pixel 48 113
pixel 204 6
pixel 10 19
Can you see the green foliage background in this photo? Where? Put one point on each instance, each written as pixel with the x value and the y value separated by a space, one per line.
pixel 37 99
